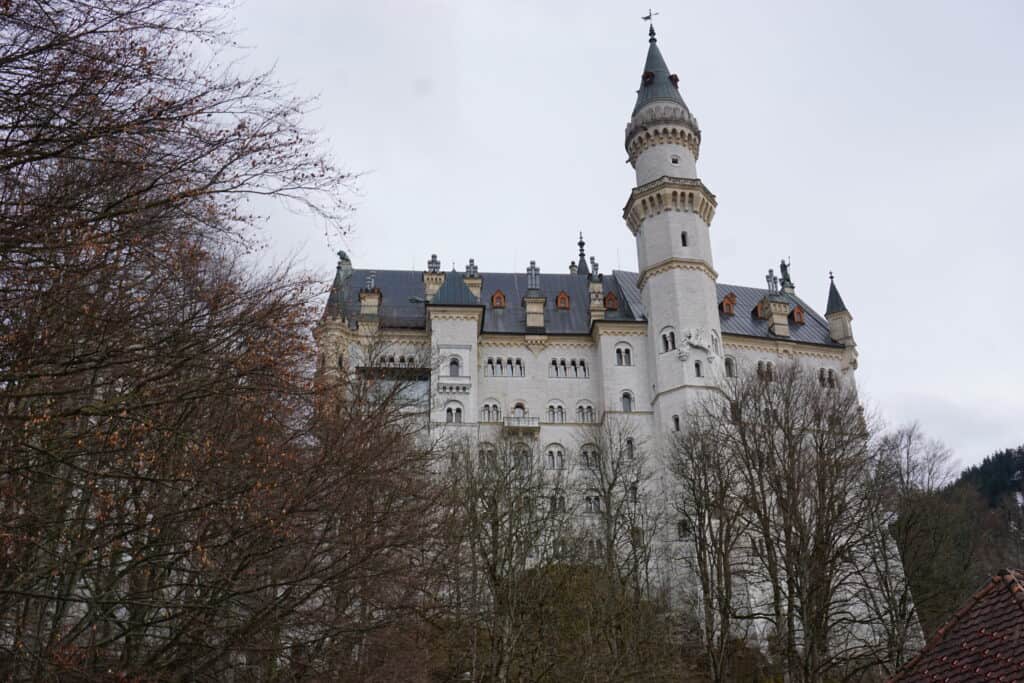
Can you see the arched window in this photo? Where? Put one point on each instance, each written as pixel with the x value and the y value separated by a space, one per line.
pixel 485 413
pixel 628 356
pixel 551 413
pixel 498 299
pixel 453 367
pixel 583 369
pixel 664 342
pixel 589 414
pixel 458 416
pixel 449 415
pixel 627 402
pixel 520 368
pixel 553 368
pixel 562 301
pixel 563 369
pixel 519 410
pixel 630 448
pixel 730 367
pixel 698 369
pixel 766 370
pixel 575 368
pixel 559 414
pixel 618 357
pixel 579 413
pixel 555 457
pixel 683 238
pixel 672 340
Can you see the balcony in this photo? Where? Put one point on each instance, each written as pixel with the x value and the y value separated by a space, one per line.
pixel 522 424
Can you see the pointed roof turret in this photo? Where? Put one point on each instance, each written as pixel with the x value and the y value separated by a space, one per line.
pixel 835 302
pixel 581 269
pixel 336 299
pixel 657 84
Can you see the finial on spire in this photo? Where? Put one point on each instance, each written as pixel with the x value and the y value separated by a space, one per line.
pixel 831 277
pixel 650 17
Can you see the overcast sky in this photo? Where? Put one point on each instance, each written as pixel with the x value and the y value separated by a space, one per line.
pixel 880 140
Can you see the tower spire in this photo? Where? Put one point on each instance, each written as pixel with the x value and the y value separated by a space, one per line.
pixel 582 268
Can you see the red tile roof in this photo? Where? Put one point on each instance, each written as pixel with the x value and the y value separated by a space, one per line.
pixel 983 641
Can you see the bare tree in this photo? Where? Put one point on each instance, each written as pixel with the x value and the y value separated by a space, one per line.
pixel 510 522
pixel 709 502
pixel 806 458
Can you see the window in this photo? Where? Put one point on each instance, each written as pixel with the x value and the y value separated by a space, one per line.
pixel 766 370
pixel 682 529
pixel 453 414
pixel 522 456
pixel 453 367
pixel 498 299
pixel 592 503
pixel 683 238
pixel 490 413
pixel 630 449
pixel 728 304
pixel 672 340
pixel 675 162
pixel 558 502
pixel 520 368
pixel 589 456
pixel 555 458
pixel 519 410
pixel 730 367
pixel 827 377
pixel 611 302
pixel 627 402
pixel 698 369
pixel 664 343
pixel 562 301
pixel 675 423
pixel 556 413
pixel 623 355
pixel 798 315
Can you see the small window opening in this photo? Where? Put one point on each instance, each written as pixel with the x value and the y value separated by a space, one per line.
pixel 730 367
pixel 675 161
pixel 675 423
pixel 683 238
pixel 698 369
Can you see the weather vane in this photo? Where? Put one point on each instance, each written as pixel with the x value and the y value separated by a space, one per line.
pixel 650 17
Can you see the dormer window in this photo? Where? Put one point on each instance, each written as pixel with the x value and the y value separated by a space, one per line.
pixel 611 302
pixel 647 78
pixel 797 315
pixel 728 305
pixel 498 299
pixel 674 80
pixel 562 301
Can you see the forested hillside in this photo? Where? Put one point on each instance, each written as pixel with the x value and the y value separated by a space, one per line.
pixel 955 535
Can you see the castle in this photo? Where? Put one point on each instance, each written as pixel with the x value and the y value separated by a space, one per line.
pixel 538 355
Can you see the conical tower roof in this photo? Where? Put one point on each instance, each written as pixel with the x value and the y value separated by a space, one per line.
pixel 658 84
pixel 835 302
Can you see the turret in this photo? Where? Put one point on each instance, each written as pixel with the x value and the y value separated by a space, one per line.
pixel 669 212
pixel 840 321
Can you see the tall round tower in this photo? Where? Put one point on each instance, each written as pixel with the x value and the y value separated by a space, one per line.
pixel 669 212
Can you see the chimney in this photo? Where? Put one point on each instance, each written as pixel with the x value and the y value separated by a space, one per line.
pixel 370 299
pixel 534 300
pixel 472 278
pixel 596 289
pixel 433 278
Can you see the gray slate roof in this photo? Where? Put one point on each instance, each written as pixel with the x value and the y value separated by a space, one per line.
pixel 399 286
pixel 454 292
